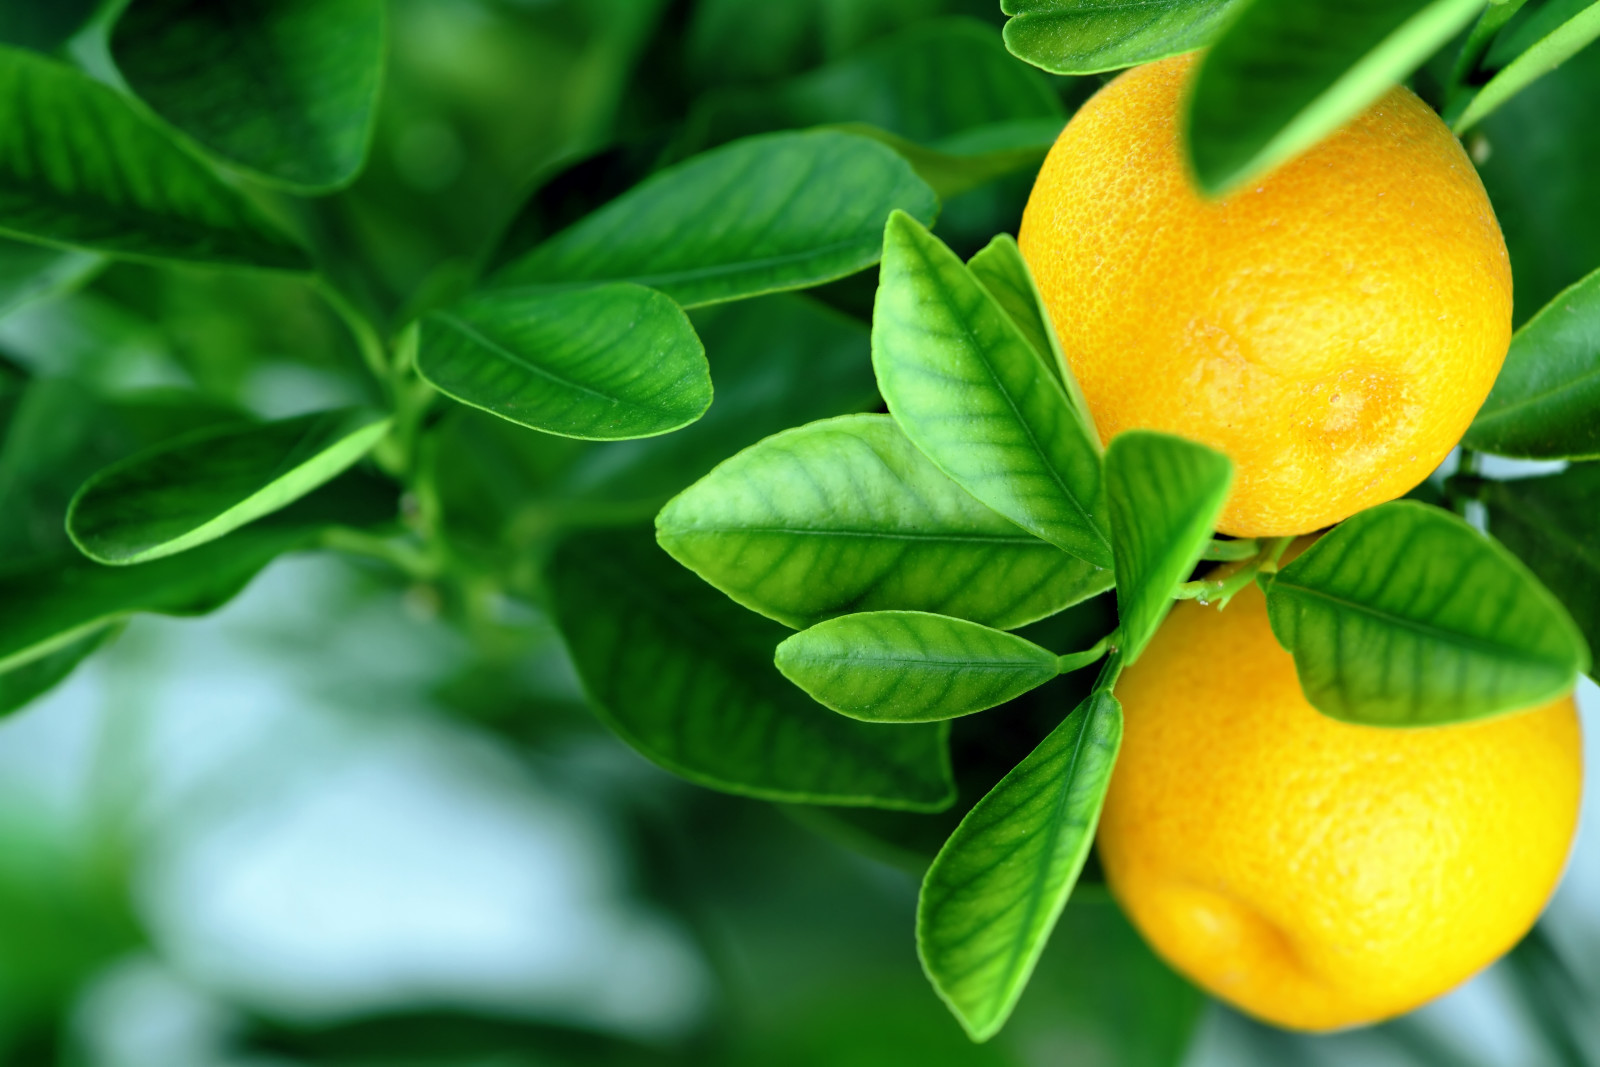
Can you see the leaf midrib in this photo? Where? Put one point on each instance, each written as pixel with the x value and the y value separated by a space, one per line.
pixel 475 335
pixel 1466 641
pixel 994 378
pixel 977 539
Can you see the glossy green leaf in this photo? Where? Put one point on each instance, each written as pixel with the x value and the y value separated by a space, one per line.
pixel 1537 155
pixel 1557 43
pixel 968 388
pixel 1165 495
pixel 846 515
pixel 1406 616
pixel 286 89
pixel 62 434
pixel 30 272
pixel 686 677
pixel 1552 524
pixel 608 363
pixel 1286 73
pixel 963 162
pixel 1000 268
pixel 80 167
pixel 778 361
pixel 911 666
pixel 782 211
pixel 22 685
pixel 943 93
pixel 210 483
pixel 53 608
pixel 996 889
pixel 1089 36
pixel 1479 40
pixel 1546 402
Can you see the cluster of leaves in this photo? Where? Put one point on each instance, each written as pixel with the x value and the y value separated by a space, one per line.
pixel 885 557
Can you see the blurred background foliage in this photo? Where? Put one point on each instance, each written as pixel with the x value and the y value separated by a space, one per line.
pixel 349 820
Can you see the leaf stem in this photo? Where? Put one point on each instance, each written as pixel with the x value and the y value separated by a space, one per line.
pixel 1074 661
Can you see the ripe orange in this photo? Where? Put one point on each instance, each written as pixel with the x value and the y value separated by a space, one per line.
pixel 1332 327
pixel 1315 873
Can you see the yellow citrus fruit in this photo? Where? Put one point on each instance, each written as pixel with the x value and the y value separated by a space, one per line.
pixel 1332 327
pixel 1315 873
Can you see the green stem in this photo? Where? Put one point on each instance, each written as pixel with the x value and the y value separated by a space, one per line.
pixel 1228 551
pixel 1074 661
pixel 408 559
pixel 1221 590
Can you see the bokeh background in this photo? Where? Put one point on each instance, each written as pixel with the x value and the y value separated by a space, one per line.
pixel 330 825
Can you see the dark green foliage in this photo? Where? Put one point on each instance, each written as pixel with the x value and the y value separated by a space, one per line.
pixel 1287 73
pixel 752 217
pixel 287 89
pixel 688 678
pixel 1553 525
pixel 80 166
pixel 702 263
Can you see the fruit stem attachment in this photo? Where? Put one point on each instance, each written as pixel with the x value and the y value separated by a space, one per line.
pixel 1219 591
pixel 1074 661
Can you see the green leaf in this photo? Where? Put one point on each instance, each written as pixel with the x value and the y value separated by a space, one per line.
pixel 1286 73
pixel 22 685
pixel 943 93
pixel 285 89
pixel 1476 47
pixel 1552 524
pixel 784 211
pixel 608 363
pixel 961 163
pixel 778 361
pixel 1542 150
pixel 30 272
pixel 1559 43
pixel 210 483
pixel 1165 494
pixel 53 608
pixel 968 388
pixel 846 515
pixel 996 889
pixel 1089 36
pixel 60 435
pixel 912 666
pixel 1000 268
pixel 80 167
pixel 1546 402
pixel 686 677
pixel 1406 616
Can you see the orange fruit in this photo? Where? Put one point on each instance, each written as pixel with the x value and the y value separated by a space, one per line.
pixel 1332 327
pixel 1314 873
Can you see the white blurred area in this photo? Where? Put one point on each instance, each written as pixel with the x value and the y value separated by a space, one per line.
pixel 311 842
